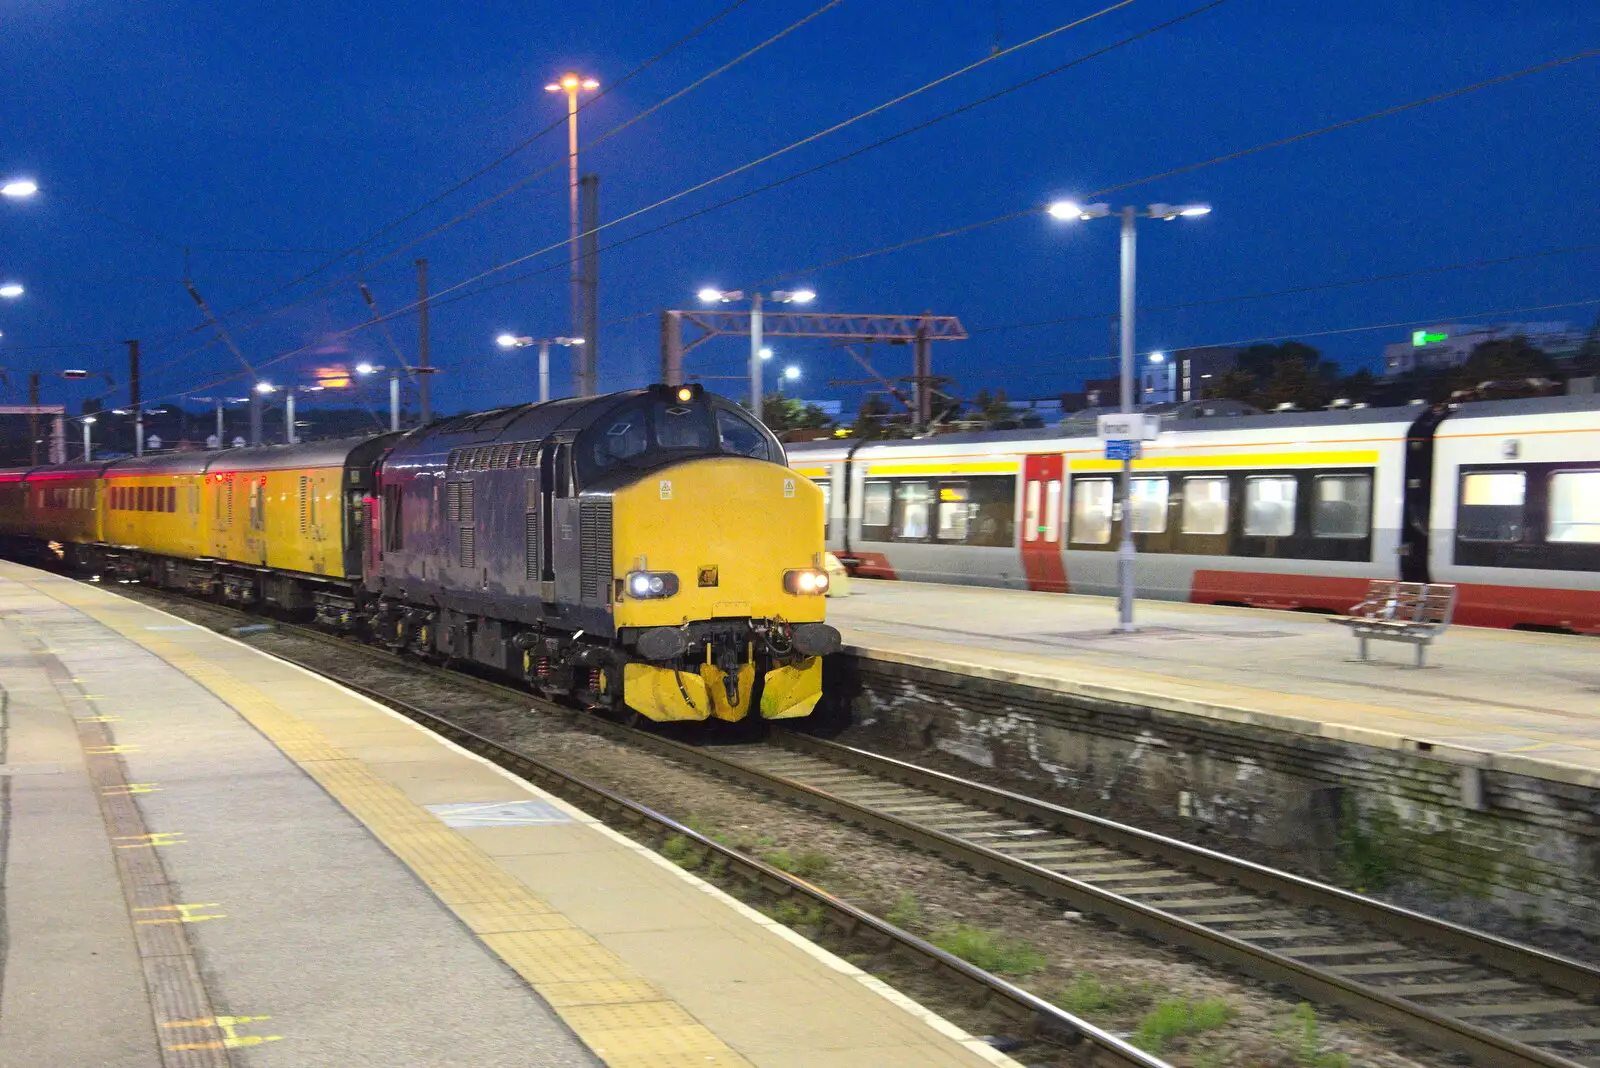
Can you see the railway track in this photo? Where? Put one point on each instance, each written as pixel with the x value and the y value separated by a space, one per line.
pixel 1037 1019
pixel 1489 1000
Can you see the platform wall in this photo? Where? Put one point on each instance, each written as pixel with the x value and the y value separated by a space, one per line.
pixel 1369 817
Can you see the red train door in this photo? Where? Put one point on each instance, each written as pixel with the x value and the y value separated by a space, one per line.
pixel 1043 501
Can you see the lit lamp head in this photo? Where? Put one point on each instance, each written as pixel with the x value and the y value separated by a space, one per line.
pixel 712 295
pixel 1158 357
pixel 794 296
pixel 1071 209
pixel 571 83
pixel 264 388
pixel 765 353
pixel 11 290
pixel 19 188
pixel 1173 211
pixel 791 373
pixel 364 368
pixel 568 342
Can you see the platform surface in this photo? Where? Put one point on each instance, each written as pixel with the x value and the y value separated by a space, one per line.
pixel 215 858
pixel 1527 703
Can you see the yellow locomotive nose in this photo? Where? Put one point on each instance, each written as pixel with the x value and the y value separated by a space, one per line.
pixel 721 563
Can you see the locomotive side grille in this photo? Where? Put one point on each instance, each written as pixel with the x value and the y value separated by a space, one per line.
pixel 594 533
pixel 466 503
pixel 531 544
pixel 469 547
pixel 452 502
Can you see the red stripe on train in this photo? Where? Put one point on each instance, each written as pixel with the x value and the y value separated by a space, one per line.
pixel 1477 604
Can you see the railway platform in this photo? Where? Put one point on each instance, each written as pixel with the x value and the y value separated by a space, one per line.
pixel 212 857
pixel 1508 700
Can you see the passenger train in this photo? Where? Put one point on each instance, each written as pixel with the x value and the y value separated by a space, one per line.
pixel 646 550
pixel 1293 510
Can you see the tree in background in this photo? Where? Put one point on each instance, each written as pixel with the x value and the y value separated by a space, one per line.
pixel 781 413
pixel 1291 373
pixel 1508 359
pixel 872 421
pixel 995 410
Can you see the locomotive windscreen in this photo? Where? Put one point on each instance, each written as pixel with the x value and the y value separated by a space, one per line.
pixel 649 431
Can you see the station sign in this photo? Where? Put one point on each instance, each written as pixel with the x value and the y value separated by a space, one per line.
pixel 1122 450
pixel 1131 426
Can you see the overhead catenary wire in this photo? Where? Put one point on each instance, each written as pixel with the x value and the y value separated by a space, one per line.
pixel 484 204
pixel 435 298
pixel 1033 209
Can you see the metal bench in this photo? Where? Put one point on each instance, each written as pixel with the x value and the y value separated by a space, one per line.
pixel 1415 612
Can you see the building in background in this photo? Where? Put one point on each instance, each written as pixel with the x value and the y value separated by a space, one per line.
pixel 1183 374
pixel 1449 345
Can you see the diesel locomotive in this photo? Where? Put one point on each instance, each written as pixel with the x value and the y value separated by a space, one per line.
pixel 647 550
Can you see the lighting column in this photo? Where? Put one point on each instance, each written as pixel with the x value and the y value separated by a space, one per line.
pixel 781 296
pixel 571 84
pixel 1069 210
pixel 512 341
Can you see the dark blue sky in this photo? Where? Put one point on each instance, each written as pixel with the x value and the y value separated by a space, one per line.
pixel 305 126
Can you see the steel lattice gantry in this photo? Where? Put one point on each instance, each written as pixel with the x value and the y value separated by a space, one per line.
pixel 919 331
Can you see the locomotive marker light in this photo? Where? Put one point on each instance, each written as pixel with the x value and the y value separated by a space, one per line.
pixel 512 341
pixel 1066 209
pixel 647 585
pixel 758 352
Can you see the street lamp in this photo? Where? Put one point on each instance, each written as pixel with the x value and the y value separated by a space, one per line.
pixel 19 188
pixel 712 295
pixel 11 290
pixel 1066 209
pixel 364 369
pixel 571 84
pixel 512 341
pixel 289 435
pixel 791 373
pixel 88 446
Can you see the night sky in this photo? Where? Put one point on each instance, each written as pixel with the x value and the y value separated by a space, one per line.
pixel 287 128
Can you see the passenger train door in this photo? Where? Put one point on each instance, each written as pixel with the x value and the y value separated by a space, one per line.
pixel 1043 494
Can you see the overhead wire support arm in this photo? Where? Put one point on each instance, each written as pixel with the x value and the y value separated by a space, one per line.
pixel 255 396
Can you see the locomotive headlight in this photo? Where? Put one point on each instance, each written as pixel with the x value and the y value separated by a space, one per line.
pixel 806 581
pixel 644 585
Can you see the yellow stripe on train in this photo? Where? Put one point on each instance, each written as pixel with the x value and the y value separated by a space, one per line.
pixel 1203 461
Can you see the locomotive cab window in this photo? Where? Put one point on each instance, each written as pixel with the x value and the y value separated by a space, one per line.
pixel 1575 507
pixel 739 436
pixel 1269 506
pixel 1091 510
pixel 1492 504
pixel 646 432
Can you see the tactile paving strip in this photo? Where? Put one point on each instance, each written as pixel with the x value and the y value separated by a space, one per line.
pixel 172 977
pixel 621 1017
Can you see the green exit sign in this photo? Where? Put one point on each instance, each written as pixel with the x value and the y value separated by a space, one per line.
pixel 1422 337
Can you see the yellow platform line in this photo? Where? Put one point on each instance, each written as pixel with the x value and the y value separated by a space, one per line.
pixel 622 1017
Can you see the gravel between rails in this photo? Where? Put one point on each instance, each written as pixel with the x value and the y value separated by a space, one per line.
pixel 1130 975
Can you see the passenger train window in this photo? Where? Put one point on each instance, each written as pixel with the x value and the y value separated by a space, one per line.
pixel 911 500
pixel 1491 506
pixel 739 436
pixel 1091 510
pixel 875 504
pixel 1269 505
pixel 1341 506
pixel 1149 501
pixel 827 504
pixel 954 511
pixel 1575 507
pixel 1205 505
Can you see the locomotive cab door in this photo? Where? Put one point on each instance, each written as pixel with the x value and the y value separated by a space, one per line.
pixel 1043 506
pixel 558 525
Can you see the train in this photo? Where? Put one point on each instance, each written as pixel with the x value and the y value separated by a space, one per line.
pixel 1294 510
pixel 648 551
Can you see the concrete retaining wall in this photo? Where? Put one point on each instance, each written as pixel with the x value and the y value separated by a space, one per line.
pixel 1368 816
